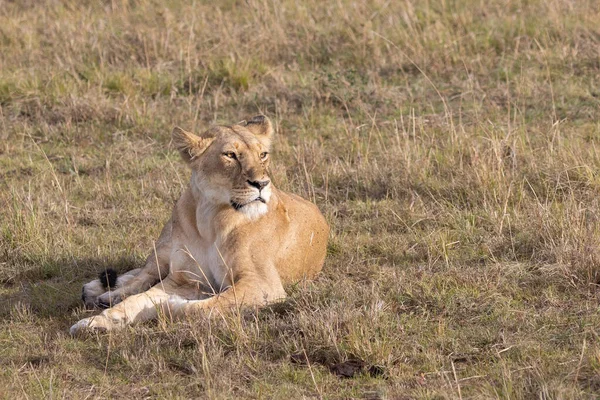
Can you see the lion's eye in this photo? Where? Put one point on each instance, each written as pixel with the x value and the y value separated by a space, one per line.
pixel 230 154
pixel 264 155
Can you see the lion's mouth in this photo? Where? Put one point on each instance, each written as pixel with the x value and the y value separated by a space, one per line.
pixel 237 205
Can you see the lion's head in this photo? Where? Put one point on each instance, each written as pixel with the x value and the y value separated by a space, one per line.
pixel 229 163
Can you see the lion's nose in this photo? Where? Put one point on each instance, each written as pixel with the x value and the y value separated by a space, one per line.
pixel 259 184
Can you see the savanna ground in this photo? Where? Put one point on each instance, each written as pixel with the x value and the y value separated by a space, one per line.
pixel 452 145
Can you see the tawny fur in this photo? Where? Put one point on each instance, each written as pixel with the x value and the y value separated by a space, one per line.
pixel 232 239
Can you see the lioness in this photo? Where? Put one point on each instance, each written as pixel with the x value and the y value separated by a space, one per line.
pixel 233 238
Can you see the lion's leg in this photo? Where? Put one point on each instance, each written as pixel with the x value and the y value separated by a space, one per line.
pixel 138 308
pixel 138 283
pixel 245 292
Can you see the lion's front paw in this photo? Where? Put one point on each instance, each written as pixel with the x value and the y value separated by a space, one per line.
pixel 96 323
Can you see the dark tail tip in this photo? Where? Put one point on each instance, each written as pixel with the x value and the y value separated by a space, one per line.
pixel 108 278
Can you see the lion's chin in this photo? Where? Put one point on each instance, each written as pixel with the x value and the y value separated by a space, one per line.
pixel 238 206
pixel 253 209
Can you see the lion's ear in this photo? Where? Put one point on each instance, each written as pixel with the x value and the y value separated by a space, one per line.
pixel 189 145
pixel 260 126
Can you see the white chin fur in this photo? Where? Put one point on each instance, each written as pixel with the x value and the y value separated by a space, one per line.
pixel 254 210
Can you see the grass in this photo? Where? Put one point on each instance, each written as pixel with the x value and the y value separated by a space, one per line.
pixel 452 146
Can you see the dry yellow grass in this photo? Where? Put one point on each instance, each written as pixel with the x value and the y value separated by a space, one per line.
pixel 452 146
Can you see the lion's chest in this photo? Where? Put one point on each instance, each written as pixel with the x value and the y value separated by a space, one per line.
pixel 202 263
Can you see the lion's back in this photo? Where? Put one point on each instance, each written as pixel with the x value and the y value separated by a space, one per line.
pixel 303 249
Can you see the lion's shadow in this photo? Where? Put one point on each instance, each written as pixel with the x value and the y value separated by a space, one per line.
pixel 51 288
